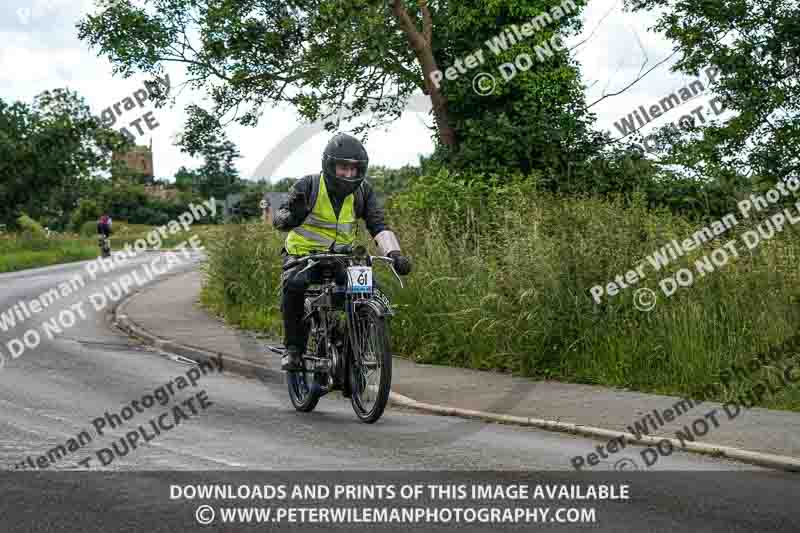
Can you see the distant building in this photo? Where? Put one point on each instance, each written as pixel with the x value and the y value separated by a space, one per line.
pixel 139 159
pixel 270 203
pixel 159 191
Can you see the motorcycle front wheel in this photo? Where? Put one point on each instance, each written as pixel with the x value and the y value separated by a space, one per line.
pixel 370 366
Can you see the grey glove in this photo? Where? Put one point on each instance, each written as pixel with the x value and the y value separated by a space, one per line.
pixel 402 264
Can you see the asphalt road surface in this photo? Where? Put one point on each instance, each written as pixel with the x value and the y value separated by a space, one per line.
pixel 68 390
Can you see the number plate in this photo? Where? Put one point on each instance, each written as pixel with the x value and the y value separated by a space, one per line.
pixel 360 279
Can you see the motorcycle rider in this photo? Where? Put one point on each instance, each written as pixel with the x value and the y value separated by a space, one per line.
pixel 323 209
pixel 104 226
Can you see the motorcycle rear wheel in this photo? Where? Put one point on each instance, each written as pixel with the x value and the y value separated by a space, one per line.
pixel 304 386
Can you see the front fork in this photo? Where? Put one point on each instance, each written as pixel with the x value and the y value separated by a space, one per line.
pixel 337 377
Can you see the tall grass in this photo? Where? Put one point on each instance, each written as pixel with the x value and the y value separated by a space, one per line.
pixel 243 276
pixel 502 283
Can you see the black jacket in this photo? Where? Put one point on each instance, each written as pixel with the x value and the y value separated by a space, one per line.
pixel 366 205
pixel 103 229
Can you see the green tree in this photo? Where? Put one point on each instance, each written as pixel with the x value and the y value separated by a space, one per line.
pixel 87 210
pixel 203 136
pixel 390 180
pixel 328 56
pixel 250 205
pixel 536 121
pixel 755 44
pixel 185 179
pixel 50 154
pixel 218 176
pixel 123 200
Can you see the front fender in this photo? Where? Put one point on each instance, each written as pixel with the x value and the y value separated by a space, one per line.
pixel 380 304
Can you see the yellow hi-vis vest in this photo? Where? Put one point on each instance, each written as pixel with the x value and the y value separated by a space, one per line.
pixel 321 227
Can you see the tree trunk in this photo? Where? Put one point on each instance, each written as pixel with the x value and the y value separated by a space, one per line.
pixel 421 43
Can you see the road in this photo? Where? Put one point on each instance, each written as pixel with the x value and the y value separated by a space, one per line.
pixel 58 390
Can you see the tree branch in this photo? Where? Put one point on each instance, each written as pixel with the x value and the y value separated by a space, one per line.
pixel 414 36
pixel 637 80
pixel 427 21
pixel 595 28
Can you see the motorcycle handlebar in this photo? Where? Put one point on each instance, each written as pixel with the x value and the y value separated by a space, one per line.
pixel 307 258
pixel 311 257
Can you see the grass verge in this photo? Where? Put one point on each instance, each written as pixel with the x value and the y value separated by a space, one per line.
pixel 18 252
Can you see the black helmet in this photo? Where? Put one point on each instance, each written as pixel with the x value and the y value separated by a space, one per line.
pixel 344 148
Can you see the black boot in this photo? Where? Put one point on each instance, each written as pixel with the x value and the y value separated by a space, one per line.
pixel 292 361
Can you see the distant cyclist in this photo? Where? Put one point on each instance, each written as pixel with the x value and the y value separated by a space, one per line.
pixel 104 226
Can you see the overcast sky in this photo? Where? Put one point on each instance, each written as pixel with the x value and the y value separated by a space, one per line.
pixel 41 51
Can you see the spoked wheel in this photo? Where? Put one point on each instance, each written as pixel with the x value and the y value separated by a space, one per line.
pixel 371 365
pixel 304 388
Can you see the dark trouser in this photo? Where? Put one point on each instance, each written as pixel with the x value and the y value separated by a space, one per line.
pixel 293 290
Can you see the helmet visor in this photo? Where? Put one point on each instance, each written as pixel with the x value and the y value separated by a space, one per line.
pixel 360 164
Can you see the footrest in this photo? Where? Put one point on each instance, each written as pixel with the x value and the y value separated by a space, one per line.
pixel 318 363
pixel 278 349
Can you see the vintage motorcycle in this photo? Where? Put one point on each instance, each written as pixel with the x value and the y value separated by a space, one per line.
pixel 348 346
